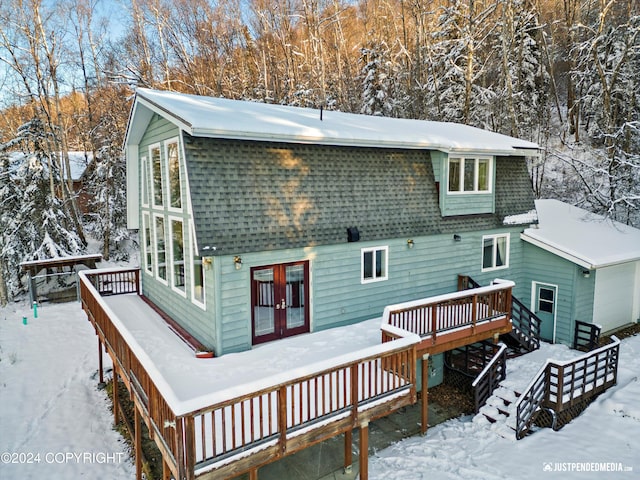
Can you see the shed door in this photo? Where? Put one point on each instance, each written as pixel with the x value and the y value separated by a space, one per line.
pixel 279 297
pixel 544 299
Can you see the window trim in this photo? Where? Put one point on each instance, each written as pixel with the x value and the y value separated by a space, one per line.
pixel 385 274
pixel 169 198
pixel 152 177
pixel 144 188
pixel 505 263
pixel 476 175
pixel 171 271
pixel 147 243
pixel 164 281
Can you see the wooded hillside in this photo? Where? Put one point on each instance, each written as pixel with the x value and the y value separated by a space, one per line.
pixel 562 73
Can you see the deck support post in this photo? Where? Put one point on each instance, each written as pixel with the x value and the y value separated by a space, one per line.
pixel 253 474
pixel 116 397
pixel 364 451
pixel 425 394
pixel 348 446
pixel 100 369
pixel 138 444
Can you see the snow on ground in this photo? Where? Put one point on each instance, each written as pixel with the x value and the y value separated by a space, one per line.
pixel 53 415
pixel 603 442
pixel 54 421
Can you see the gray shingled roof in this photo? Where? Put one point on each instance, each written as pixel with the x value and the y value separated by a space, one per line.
pixel 255 196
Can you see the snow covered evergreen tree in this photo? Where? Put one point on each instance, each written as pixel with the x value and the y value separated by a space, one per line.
pixel 33 223
pixel 376 81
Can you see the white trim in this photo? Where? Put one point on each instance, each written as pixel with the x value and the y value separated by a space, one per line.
pixel 495 236
pixel 385 274
pixel 152 177
pixel 150 239
pixel 156 251
pixel 133 187
pixel 168 198
pixel 562 254
pixel 145 185
pixel 171 271
pixel 534 302
pixel 192 277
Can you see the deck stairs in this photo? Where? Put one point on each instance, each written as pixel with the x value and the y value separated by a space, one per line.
pixel 499 412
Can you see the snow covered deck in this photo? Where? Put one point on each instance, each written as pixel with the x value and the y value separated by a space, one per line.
pixel 222 416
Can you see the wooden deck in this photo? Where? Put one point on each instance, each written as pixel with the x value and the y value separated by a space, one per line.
pixel 240 434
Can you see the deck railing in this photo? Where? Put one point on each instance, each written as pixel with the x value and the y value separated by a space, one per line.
pixel 275 415
pixel 490 377
pixel 158 414
pixel 439 315
pixel 559 386
pixel 332 398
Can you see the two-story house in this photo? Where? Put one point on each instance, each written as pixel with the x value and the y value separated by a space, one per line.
pixel 265 224
pixel 260 221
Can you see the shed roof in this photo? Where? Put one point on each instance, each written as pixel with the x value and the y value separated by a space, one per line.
pixel 201 116
pixel 589 240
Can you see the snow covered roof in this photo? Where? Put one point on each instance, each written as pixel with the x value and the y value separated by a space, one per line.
pixel 584 238
pixel 223 118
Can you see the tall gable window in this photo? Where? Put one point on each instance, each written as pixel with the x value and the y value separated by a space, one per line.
pixel 173 169
pixel 469 175
pixel 375 262
pixel 156 175
pixel 495 252
pixel 161 253
pixel 148 245
pixel 177 256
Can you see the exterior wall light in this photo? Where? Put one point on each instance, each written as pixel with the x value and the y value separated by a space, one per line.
pixel 457 238
pixel 237 261
pixel 207 261
pixel 586 273
pixel 410 243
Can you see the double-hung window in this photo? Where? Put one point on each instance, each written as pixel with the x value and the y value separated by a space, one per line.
pixel 148 244
pixel 495 252
pixel 375 263
pixel 469 175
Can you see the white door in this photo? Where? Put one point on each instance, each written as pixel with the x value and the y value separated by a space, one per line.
pixel 615 292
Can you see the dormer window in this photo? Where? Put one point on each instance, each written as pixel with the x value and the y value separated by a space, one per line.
pixel 469 175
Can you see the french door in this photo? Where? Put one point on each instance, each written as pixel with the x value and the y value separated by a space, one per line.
pixel 280 301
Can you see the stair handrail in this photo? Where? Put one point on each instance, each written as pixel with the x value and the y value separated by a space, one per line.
pixel 531 400
pixel 538 393
pixel 532 326
pixel 487 376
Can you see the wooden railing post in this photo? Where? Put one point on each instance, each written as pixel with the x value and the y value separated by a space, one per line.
pixel 354 394
pixel 425 394
pixel 282 418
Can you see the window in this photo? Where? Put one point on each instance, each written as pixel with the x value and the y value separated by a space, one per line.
pixel 546 299
pixel 148 245
pixel 161 254
pixel 198 281
pixel 144 166
pixel 374 264
pixel 156 176
pixel 469 175
pixel 495 252
pixel 177 256
pixel 173 169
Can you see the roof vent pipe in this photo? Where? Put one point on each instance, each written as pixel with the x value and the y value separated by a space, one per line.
pixel 320 112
